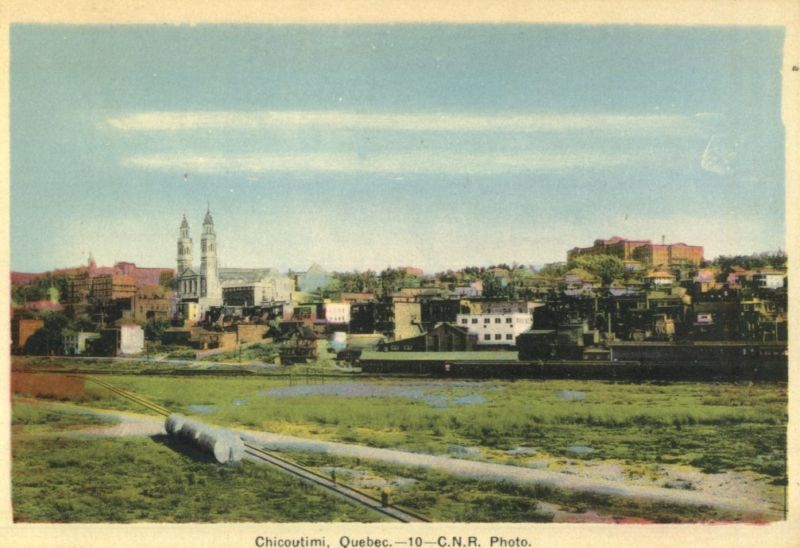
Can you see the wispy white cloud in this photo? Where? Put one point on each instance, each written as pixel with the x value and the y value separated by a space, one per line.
pixel 290 120
pixel 395 163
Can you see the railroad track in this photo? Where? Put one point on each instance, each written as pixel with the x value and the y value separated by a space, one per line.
pixel 260 455
pixel 160 409
pixel 256 453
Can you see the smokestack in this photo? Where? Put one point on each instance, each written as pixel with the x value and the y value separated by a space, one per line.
pixel 663 238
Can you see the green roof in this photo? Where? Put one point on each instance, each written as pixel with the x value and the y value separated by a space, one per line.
pixel 500 355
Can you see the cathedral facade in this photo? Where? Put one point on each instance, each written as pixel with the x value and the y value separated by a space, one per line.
pixel 197 289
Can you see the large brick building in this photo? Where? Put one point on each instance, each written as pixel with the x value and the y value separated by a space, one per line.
pixel 643 251
pixel 153 302
pixel 84 291
pixel 141 275
pixel 21 330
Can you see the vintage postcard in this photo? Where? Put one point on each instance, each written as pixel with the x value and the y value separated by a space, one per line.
pixel 484 276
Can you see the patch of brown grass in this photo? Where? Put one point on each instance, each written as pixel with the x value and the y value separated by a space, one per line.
pixel 50 386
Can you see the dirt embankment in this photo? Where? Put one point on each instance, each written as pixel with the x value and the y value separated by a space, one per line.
pixel 49 386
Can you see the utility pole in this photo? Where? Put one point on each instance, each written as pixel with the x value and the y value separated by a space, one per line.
pixel 238 344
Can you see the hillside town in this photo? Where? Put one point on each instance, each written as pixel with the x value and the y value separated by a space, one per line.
pixel 614 295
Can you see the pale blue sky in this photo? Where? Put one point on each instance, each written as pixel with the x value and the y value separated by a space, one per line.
pixel 365 146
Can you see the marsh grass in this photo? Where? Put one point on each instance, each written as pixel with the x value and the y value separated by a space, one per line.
pixel 153 479
pixel 715 427
pixel 29 418
pixel 442 497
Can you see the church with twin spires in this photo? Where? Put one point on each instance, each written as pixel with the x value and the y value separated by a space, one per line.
pixel 197 290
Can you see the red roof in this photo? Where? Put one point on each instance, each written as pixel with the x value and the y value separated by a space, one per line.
pixel 43 306
pixel 24 278
pixel 142 275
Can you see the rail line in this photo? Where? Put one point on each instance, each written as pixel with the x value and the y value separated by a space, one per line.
pixel 303 473
pixel 160 409
pixel 313 477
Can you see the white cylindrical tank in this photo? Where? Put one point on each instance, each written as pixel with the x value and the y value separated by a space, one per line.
pixel 217 442
pixel 174 423
pixel 226 446
pixel 339 341
pixel 191 429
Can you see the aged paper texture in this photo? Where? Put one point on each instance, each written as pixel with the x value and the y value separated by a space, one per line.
pixel 159 149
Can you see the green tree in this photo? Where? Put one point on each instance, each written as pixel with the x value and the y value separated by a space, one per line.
pixel 48 339
pixel 756 260
pixel 493 287
pixel 393 279
pixel 356 282
pixel 333 289
pixel 153 329
pixel 606 267
pixel 553 270
pixel 44 288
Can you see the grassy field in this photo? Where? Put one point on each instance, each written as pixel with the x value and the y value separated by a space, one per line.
pixel 62 478
pixel 58 478
pixel 443 497
pixel 715 427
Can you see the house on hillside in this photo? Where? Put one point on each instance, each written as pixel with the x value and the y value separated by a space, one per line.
pixel 75 342
pixel 579 282
pixel 659 279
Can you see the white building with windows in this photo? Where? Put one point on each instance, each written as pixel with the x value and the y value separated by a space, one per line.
pixel 131 339
pixel 496 328
pixel 269 289
pixel 769 279
pixel 337 313
pixel 75 343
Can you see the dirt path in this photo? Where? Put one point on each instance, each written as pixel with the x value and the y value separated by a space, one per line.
pixel 124 423
pixel 131 424
pixel 515 474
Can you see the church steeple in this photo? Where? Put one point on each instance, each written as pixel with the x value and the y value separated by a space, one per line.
pixel 184 248
pixel 208 258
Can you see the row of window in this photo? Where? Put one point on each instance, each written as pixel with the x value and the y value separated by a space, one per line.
pixel 488 320
pixel 498 337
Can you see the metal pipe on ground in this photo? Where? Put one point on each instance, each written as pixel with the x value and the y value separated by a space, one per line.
pixel 190 429
pixel 226 446
pixel 218 445
pixel 174 424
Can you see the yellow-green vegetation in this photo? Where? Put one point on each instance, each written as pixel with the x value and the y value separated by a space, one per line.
pixel 32 418
pixel 715 427
pixel 91 365
pixel 262 352
pixel 58 476
pixel 446 498
pixel 58 479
